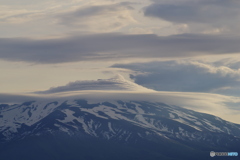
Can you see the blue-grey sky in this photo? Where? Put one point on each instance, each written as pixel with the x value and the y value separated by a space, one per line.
pixel 184 46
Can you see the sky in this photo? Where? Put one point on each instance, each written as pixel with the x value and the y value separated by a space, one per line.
pixel 188 48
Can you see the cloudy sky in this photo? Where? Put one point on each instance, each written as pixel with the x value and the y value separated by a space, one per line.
pixel 189 47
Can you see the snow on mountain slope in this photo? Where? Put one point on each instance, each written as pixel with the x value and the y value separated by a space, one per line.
pixel 111 120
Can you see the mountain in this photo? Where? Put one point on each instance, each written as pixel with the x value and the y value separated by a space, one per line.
pixel 82 129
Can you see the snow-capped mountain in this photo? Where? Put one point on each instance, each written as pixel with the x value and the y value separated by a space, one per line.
pixel 111 119
pixel 117 121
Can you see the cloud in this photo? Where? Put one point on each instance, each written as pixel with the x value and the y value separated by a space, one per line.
pixel 96 10
pixel 6 98
pixel 105 17
pixel 116 83
pixel 214 104
pixel 184 75
pixel 18 15
pixel 117 88
pixel 232 63
pixel 215 13
pixel 114 46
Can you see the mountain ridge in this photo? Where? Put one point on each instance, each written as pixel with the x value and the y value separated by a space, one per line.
pixel 136 124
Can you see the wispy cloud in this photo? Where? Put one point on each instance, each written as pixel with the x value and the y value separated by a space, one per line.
pixel 107 17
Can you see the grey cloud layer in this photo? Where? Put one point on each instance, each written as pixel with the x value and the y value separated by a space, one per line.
pixel 198 11
pixel 218 13
pixel 114 46
pixel 185 76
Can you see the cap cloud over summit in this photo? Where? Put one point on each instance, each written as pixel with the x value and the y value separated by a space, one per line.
pixel 116 83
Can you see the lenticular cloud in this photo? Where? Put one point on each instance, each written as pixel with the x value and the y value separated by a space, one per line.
pixel 116 83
